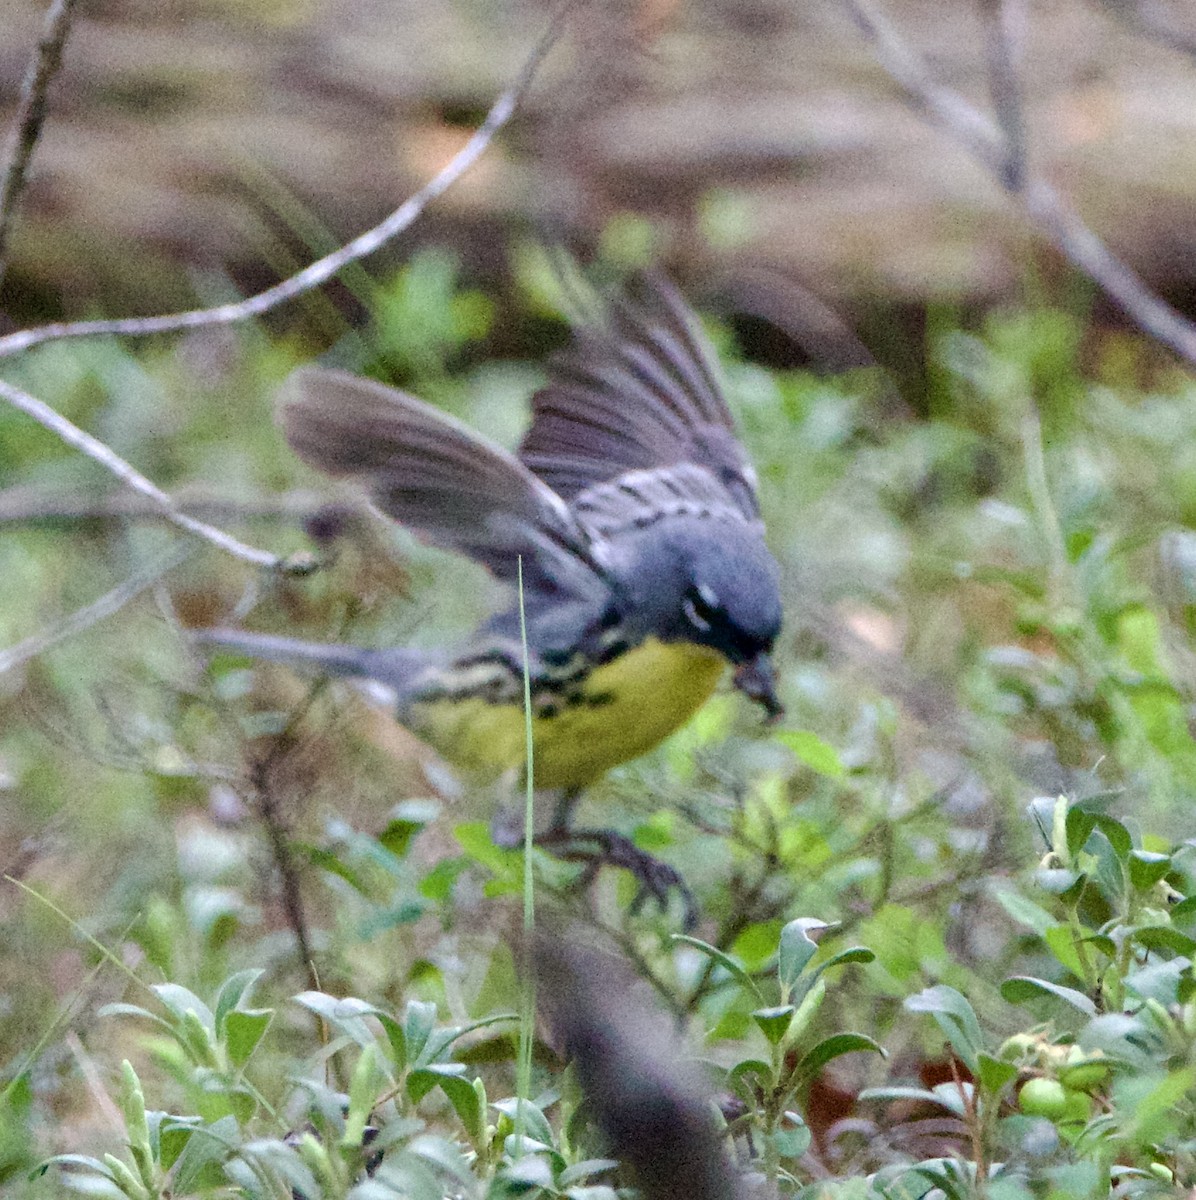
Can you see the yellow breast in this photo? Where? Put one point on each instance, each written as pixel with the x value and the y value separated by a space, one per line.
pixel 624 708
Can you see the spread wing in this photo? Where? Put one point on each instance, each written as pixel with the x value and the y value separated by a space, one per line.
pixel 438 477
pixel 637 395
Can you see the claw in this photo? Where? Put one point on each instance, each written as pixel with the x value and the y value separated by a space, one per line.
pixel 604 847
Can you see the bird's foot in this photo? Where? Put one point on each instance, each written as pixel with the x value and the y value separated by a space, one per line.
pixel 599 848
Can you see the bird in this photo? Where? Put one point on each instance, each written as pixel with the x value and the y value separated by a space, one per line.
pixel 630 516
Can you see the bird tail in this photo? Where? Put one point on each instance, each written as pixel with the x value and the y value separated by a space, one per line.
pixel 396 668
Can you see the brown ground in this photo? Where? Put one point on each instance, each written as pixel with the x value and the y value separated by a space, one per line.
pixel 753 131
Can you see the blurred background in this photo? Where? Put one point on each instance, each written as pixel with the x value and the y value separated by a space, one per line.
pixel 979 478
pixel 191 140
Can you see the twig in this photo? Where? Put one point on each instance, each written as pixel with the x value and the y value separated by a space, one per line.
pixel 325 268
pixel 29 505
pixel 98 452
pixel 91 614
pixel 1149 17
pixel 1006 21
pixel 266 806
pixel 31 114
pixel 993 147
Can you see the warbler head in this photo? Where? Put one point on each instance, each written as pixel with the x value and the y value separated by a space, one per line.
pixel 715 584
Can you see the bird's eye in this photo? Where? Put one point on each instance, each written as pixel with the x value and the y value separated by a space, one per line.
pixel 700 607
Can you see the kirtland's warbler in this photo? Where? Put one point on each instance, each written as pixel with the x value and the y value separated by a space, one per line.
pixel 633 508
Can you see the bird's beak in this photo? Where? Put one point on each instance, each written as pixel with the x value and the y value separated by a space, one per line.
pixel 755 680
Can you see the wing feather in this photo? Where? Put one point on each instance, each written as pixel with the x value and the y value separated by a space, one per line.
pixel 639 394
pixel 438 477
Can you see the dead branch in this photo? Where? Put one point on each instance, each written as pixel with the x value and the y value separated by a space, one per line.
pixel 100 453
pixel 1001 149
pixel 323 269
pixel 31 114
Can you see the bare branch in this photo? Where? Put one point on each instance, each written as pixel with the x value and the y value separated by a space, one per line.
pixel 1152 19
pixel 325 268
pixel 98 452
pixel 962 119
pixel 1055 216
pixel 991 146
pixel 28 505
pixel 1006 21
pixel 31 114
pixel 91 614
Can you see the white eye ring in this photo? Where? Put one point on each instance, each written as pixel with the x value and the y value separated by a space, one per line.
pixel 691 614
pixel 709 598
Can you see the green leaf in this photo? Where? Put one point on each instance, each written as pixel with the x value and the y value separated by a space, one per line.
pixel 1160 981
pixel 1079 826
pixel 243 1030
pixel 330 861
pixel 405 821
pixel 835 1047
pixel 206 1146
pixel 419 1019
pixel 1025 912
pixel 774 1022
pixel 134 1010
pixel 1062 941
pixel 535 1123
pixel 811 750
pixel 1146 869
pixel 1056 880
pixel 474 838
pixel 423 1079
pixel 1023 988
pixel 724 960
pixel 451 1079
pixel 529 1170
pixel 1165 937
pixel 1116 833
pixel 749 1077
pixel 396 1040
pixel 994 1074
pixel 796 949
pixel 180 1002
pixel 346 1014
pixel 853 954
pixel 232 991
pixel 76 1160
pixel 1101 942
pixel 439 1041
pixel 792 1140
pixel 954 1096
pixel 363 1088
pixel 587 1169
pixel 955 1017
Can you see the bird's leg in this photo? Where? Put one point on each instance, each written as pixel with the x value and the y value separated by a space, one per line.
pixel 604 847
pixel 562 814
pixel 597 848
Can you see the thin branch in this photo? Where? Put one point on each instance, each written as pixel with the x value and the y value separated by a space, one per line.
pixel 91 614
pixel 1065 227
pixel 1151 18
pixel 1006 21
pixel 979 135
pixel 28 505
pixel 325 268
pixel 98 452
pixel 31 114
pixel 1050 212
pixel 991 147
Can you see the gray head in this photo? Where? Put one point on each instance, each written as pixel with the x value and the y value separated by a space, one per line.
pixel 711 582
